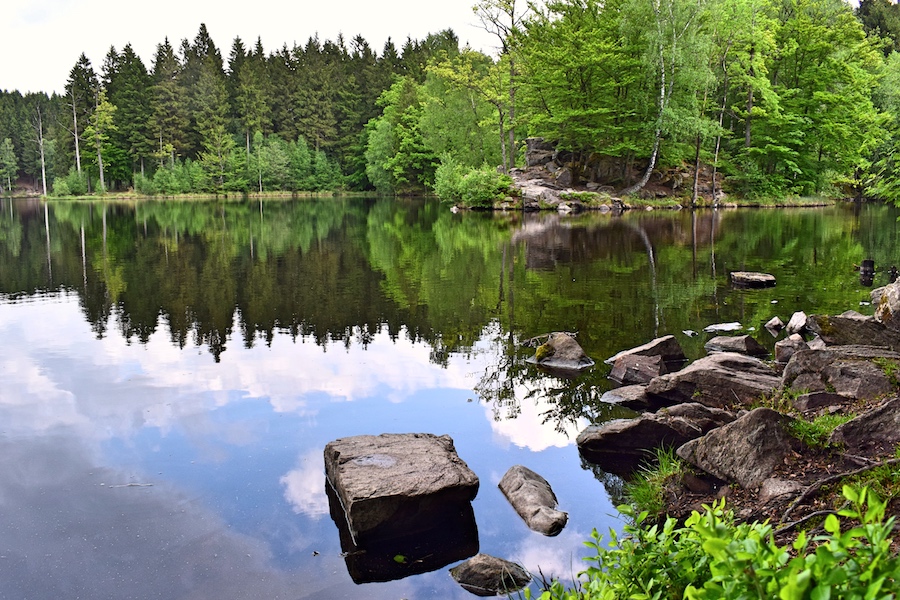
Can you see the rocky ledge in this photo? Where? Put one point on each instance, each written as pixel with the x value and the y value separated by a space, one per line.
pixel 738 421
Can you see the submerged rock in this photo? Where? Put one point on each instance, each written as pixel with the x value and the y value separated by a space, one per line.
pixel 562 353
pixel 723 327
pixel 486 575
pixel 533 499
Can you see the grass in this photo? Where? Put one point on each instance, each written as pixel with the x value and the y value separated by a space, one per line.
pixel 891 369
pixel 815 433
pixel 647 490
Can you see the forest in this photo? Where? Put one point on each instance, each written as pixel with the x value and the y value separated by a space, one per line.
pixel 772 97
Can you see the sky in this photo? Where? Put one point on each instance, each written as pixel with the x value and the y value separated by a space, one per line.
pixel 42 39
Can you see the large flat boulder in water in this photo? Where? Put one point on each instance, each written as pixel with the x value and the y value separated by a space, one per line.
pixel 561 353
pixel 393 484
pixel 721 380
pixel 486 575
pixel 752 279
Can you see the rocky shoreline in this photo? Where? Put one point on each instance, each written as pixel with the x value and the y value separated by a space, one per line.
pixel 734 418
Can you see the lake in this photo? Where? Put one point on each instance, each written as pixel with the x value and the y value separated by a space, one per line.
pixel 171 372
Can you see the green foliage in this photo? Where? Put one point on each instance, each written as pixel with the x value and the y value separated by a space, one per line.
pixel 890 367
pixel 647 490
pixel 815 433
pixel 73 184
pixel 711 556
pixel 471 187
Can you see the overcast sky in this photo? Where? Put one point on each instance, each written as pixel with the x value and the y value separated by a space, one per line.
pixel 42 39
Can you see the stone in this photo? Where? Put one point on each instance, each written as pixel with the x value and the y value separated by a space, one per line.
pixel 393 484
pixel 816 343
pixel 720 380
pixel 742 344
pixel 851 371
pixel 785 349
pixel 486 575
pixel 819 400
pixel 533 499
pixel 723 327
pixel 746 451
pixel 751 279
pixel 775 324
pixel 776 488
pixel 886 301
pixel 850 331
pixel 873 432
pixel 666 347
pixel 630 396
pixel 561 353
pixel 634 368
pixel 797 323
pixel 621 445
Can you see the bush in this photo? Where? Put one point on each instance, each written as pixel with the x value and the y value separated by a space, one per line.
pixel 73 184
pixel 712 557
pixel 474 188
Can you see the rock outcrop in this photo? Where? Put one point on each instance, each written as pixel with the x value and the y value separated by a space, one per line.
pixel 721 380
pixel 886 301
pixel 875 431
pixel 533 499
pixel 851 371
pixel 666 347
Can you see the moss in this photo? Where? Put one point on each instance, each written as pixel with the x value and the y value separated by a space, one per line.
pixel 825 325
pixel 543 352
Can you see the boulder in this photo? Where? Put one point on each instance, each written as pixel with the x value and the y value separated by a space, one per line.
pixel 746 451
pixel 634 368
pixel 785 349
pixel 742 344
pixel 630 396
pixel 851 371
pixel 533 498
pixel 723 327
pixel 561 353
pixel 775 324
pixel 814 401
pixel 886 301
pixel 873 432
pixel 538 152
pixel 394 484
pixel 666 347
pixel 720 380
pixel 621 445
pixel 851 331
pixel 777 488
pixel 751 279
pixel 797 323
pixel 485 575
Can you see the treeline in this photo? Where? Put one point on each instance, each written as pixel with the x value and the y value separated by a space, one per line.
pixel 763 97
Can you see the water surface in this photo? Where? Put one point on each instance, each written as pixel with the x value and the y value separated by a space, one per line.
pixel 171 372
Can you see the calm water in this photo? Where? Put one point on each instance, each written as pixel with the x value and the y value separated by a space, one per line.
pixel 170 373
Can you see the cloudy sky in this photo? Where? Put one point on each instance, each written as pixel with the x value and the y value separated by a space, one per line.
pixel 42 39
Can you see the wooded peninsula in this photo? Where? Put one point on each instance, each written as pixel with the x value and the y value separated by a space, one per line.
pixel 766 98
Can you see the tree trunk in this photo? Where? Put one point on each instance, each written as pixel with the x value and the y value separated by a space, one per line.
pixel 75 126
pixel 695 194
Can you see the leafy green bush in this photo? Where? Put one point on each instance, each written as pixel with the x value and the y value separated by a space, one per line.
pixel 73 184
pixel 711 556
pixel 474 188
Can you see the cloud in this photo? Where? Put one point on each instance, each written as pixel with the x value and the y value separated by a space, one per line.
pixel 304 487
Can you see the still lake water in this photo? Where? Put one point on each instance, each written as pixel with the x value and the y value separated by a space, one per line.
pixel 171 372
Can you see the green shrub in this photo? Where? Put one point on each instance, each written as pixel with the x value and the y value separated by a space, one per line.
pixel 647 490
pixel 474 188
pixel 711 556
pixel 73 184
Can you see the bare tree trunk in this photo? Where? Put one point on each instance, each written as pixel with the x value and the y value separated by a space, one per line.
pixel 75 133
pixel 40 141
pixel 695 194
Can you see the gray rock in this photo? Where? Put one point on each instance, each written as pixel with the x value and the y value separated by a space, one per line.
pixel 887 305
pixel 719 380
pixel 742 344
pixel 797 323
pixel 534 500
pixel 723 327
pixel 785 349
pixel 751 279
pixel 630 396
pixel 485 575
pixel 746 451
pixel 561 352
pixel 818 400
pixel 850 371
pixel 849 331
pixel 620 446
pixel 856 316
pixel 816 343
pixel 775 324
pixel 392 484
pixel 666 347
pixel 634 368
pixel 874 431
pixel 776 488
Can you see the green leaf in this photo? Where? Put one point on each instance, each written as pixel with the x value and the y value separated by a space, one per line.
pixel 399 558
